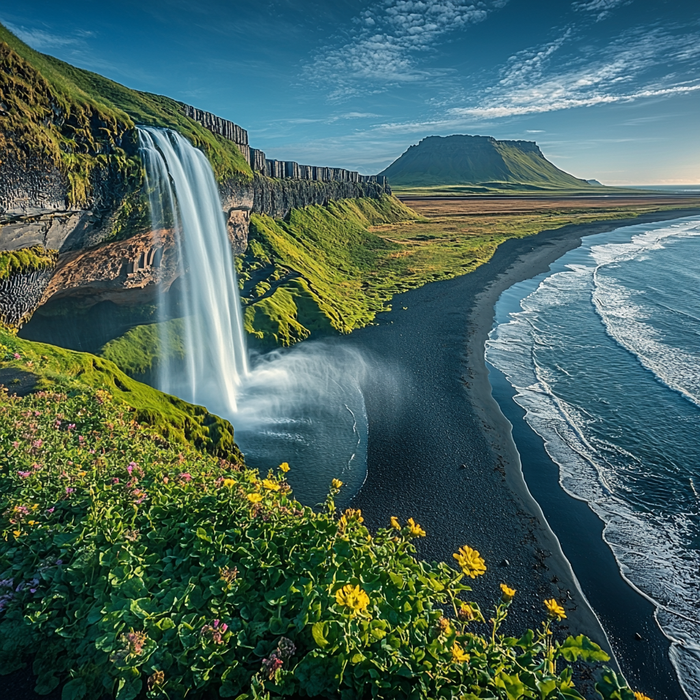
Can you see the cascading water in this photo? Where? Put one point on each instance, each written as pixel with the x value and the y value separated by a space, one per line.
pixel 304 405
pixel 184 197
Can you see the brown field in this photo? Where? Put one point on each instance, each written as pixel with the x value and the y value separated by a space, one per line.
pixel 483 206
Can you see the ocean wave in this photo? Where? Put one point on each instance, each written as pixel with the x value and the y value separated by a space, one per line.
pixel 626 315
pixel 649 543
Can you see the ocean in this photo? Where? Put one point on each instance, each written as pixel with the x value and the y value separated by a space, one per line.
pixel 603 354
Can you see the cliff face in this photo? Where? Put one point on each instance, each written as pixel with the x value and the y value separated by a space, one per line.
pixel 277 198
pixel 71 181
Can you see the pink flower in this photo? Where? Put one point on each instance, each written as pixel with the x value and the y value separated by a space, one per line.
pixel 51 510
pixel 165 480
pixel 16 355
pixel 24 475
pixel 81 439
pixel 186 476
pixel 92 451
pixel 71 426
pixel 15 444
pixel 37 443
pixel 115 480
pixel 69 490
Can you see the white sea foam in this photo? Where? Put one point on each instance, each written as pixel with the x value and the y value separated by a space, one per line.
pixel 626 317
pixel 650 547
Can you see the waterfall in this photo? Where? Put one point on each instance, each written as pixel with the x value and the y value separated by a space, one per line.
pixel 183 196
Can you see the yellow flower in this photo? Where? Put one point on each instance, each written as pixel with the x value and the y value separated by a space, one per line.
pixel 554 609
pixel 254 497
pixel 395 523
pixel 32 522
pixel 415 529
pixel 465 614
pixel 82 473
pixel 284 467
pixel 640 696
pixel 16 533
pixel 229 483
pixel 507 593
pixel 336 483
pixel 270 485
pixel 459 656
pixel 352 597
pixel 470 561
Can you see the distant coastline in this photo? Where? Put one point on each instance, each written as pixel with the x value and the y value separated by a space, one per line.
pixel 438 343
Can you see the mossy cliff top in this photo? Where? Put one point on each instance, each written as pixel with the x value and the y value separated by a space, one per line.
pixel 76 120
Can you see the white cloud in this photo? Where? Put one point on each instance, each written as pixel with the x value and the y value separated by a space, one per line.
pixel 390 36
pixel 42 40
pixel 532 82
pixel 600 8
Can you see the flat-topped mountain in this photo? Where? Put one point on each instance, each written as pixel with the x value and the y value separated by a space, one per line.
pixel 474 160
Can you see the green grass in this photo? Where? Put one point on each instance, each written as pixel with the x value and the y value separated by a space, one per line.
pixel 511 189
pixel 332 269
pixel 53 368
pixel 312 270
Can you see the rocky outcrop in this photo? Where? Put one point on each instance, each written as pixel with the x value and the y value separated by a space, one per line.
pixel 124 272
pixel 277 198
pixel 21 294
pixel 222 127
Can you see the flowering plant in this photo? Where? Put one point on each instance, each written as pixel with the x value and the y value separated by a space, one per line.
pixel 131 568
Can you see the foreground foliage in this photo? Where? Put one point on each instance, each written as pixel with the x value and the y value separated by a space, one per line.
pixel 130 568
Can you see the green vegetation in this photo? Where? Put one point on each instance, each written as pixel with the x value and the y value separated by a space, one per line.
pixel 140 350
pixel 333 268
pixel 47 367
pixel 133 568
pixel 478 160
pixel 312 272
pixel 79 121
pixel 511 189
pixel 13 262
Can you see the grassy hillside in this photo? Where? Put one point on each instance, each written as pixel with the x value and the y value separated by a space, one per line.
pixel 477 160
pixel 78 120
pixel 26 366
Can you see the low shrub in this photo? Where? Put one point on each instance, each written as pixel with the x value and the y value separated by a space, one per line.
pixel 130 567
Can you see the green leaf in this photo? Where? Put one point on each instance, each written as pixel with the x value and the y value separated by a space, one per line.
pixel 74 690
pixel 202 534
pixel 318 631
pixel 582 647
pixel 613 687
pixel 513 686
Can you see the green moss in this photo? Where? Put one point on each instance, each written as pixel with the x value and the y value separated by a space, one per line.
pixel 140 350
pixel 70 371
pixel 311 271
pixel 14 262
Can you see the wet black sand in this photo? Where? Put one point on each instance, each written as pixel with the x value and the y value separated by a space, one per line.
pixel 440 450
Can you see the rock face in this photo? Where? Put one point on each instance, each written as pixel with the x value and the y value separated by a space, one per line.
pixel 92 267
pixel 277 198
pixel 21 294
pixel 124 272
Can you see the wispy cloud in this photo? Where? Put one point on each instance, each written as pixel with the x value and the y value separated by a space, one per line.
pixel 532 82
pixel 384 48
pixel 42 40
pixel 600 8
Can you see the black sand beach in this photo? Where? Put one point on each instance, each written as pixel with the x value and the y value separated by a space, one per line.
pixel 440 450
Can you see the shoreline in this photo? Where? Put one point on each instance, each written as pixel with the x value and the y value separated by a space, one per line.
pixel 462 310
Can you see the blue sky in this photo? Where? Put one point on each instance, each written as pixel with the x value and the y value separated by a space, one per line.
pixel 610 89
